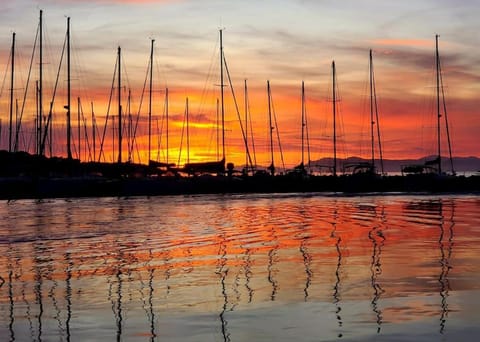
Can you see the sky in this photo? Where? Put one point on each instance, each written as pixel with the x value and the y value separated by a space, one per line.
pixel 284 42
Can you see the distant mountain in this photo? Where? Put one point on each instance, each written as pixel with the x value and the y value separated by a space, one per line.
pixel 460 164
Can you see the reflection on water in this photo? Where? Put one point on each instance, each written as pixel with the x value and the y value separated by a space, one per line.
pixel 336 293
pixel 445 242
pixel 240 268
pixel 378 240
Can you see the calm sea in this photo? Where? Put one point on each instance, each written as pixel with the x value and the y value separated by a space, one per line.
pixel 298 267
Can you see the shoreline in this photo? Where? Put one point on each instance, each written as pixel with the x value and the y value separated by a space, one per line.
pixel 33 187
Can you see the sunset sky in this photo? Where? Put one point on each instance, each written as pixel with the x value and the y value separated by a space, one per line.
pixel 283 41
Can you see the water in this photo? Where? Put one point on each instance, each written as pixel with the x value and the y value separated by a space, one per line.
pixel 241 268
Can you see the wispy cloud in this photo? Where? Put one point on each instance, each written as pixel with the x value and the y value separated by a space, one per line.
pixel 116 1
pixel 403 42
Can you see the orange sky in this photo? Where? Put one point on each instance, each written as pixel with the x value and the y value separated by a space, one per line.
pixel 282 48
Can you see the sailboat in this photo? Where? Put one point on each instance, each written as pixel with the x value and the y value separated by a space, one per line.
pixel 217 167
pixel 369 167
pixel 300 169
pixel 434 166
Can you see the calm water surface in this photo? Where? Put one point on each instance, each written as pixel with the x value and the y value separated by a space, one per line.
pixel 241 268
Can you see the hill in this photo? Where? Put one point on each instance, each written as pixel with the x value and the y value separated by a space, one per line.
pixel 460 164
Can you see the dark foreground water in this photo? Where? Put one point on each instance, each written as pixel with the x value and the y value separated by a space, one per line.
pixel 241 268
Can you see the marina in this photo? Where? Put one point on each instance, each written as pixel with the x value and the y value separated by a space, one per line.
pixel 239 171
pixel 26 175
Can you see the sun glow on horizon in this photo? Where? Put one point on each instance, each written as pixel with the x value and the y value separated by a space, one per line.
pixel 187 66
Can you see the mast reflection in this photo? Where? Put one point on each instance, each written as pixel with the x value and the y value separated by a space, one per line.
pixel 248 273
pixel 271 260
pixel 307 258
pixel 223 271
pixel 117 304
pixel 10 298
pixel 68 272
pixel 150 299
pixel 336 288
pixel 445 243
pixel 378 239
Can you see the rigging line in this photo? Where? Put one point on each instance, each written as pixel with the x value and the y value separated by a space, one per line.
pixel 380 150
pixel 50 113
pixel 138 150
pixel 205 90
pixel 307 136
pixel 160 131
pixel 6 72
pixel 238 111
pixel 108 113
pixel 251 133
pixel 341 123
pixel 86 134
pixel 181 139
pixel 134 142
pixel 278 134
pixel 446 118
pixel 19 123
pixel 365 128
pixel 159 138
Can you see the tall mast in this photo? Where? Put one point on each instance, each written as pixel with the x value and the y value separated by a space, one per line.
pixel 69 127
pixel 188 131
pixel 334 100
pixel 79 109
pixel 37 131
pixel 272 166
pixel 439 115
pixel 303 122
pixel 246 125
pixel 222 96
pixel 375 119
pixel 40 89
pixel 150 104
pixel 119 105
pixel 166 117
pixel 372 122
pixel 129 128
pixel 218 129
pixel 12 80
pixel 93 132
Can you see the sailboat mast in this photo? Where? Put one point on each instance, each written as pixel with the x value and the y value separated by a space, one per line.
pixel 40 88
pixel 37 131
pixel 376 119
pixel 272 166
pixel 218 129
pixel 12 80
pixel 303 123
pixel 166 116
pixel 94 124
pixel 439 115
pixel 119 105
pixel 150 104
pixel 222 95
pixel 78 128
pixel 372 122
pixel 129 128
pixel 334 100
pixel 188 130
pixel 246 124
pixel 69 127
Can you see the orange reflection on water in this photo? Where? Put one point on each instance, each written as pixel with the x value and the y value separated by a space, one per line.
pixel 396 259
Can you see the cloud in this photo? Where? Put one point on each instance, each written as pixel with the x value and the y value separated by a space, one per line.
pixel 403 42
pixel 136 2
